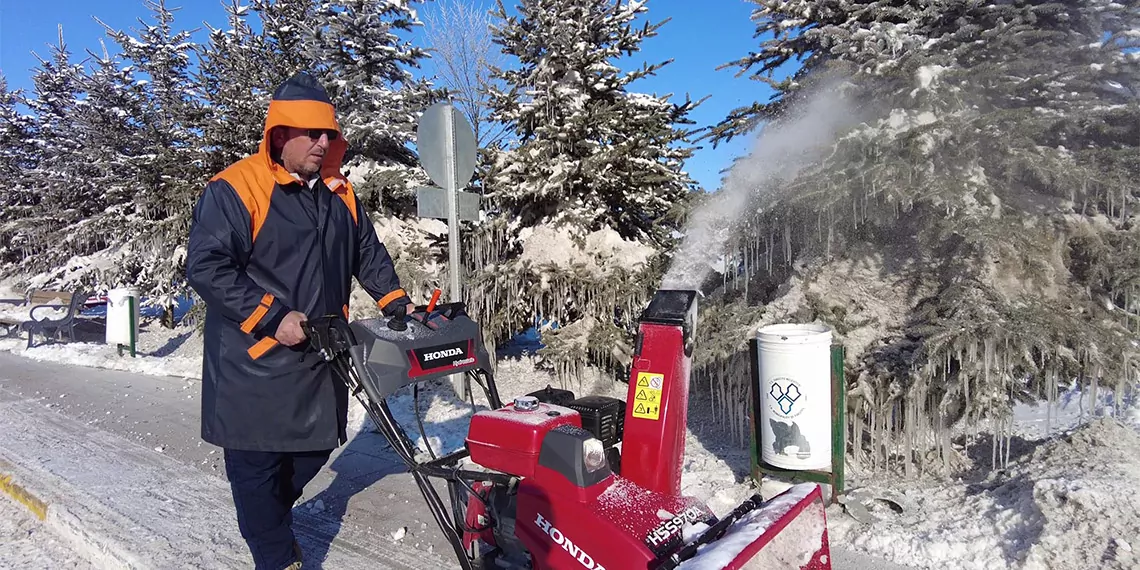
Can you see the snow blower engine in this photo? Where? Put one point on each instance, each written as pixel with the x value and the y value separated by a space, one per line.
pixel 553 482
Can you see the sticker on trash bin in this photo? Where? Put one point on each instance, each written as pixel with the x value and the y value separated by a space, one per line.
pixel 647 399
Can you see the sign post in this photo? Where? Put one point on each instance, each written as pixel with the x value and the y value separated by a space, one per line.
pixel 447 148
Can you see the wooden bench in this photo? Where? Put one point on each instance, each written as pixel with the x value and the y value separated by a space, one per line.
pixel 50 327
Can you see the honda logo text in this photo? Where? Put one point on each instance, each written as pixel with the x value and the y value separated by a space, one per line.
pixel 443 353
pixel 562 540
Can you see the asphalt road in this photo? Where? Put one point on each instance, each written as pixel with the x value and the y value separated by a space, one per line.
pixel 349 516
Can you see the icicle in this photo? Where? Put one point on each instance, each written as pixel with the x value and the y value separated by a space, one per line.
pixel 746 267
pixel 874 444
pixel 830 231
pixel 1008 432
pixel 993 446
pixel 787 244
pixel 866 199
pixel 908 437
pixel 965 378
pixel 1123 204
pixel 756 249
pixel 1095 397
pixel 941 436
pixel 888 433
pixel 768 253
pixel 1050 398
pixel 1118 393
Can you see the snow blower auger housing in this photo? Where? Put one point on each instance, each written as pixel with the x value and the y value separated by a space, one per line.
pixel 540 483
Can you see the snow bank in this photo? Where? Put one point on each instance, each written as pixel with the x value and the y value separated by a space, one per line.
pixel 160 351
pixel 599 252
pixel 1071 503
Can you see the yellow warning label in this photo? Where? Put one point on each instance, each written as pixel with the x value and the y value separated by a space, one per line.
pixel 648 397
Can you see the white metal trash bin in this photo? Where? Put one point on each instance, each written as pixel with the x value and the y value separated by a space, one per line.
pixel 123 319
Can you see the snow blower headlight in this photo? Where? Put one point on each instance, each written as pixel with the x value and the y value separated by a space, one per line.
pixel 594 454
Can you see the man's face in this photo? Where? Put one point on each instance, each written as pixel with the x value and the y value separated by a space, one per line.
pixel 303 150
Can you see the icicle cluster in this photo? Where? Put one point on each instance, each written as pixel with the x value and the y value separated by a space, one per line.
pixel 593 302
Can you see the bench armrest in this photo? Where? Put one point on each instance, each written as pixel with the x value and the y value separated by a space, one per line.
pixel 32 313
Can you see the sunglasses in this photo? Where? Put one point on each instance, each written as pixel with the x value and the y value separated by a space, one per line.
pixel 315 134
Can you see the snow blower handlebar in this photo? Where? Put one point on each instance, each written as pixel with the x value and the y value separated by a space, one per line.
pixel 339 344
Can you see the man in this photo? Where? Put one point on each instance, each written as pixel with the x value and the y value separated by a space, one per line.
pixel 278 237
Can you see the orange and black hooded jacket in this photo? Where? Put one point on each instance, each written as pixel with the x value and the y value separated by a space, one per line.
pixel 262 243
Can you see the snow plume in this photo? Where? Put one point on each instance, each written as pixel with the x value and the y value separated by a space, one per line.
pixel 800 138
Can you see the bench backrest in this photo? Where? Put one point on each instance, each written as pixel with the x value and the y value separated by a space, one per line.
pixel 49 297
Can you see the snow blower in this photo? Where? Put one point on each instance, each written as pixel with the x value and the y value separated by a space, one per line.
pixel 553 482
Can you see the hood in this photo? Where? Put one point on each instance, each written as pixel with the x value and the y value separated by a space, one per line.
pixel 302 102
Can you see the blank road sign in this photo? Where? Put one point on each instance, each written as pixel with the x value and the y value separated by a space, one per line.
pixel 432 203
pixel 436 147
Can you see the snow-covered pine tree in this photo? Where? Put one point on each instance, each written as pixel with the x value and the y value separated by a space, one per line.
pixel 287 34
pixel 64 193
pixel 110 137
pixel 973 238
pixel 366 65
pixel 16 155
pixel 235 88
pixel 585 202
pixel 171 159
pixel 17 158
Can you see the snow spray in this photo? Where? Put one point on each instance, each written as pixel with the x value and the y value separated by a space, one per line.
pixel 780 151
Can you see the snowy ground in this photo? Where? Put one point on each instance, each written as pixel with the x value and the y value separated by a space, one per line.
pixel 1067 499
pixel 27 543
pixel 1069 502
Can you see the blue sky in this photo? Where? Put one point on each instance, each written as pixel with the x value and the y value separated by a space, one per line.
pixel 699 37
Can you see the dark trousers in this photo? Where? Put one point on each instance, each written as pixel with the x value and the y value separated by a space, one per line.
pixel 265 485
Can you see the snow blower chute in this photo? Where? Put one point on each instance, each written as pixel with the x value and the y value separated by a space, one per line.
pixel 553 482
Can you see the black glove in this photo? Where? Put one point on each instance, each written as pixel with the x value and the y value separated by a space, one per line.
pixel 397 308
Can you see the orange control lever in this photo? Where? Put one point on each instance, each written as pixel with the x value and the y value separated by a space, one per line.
pixel 434 299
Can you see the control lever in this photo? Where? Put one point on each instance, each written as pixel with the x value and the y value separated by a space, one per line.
pixel 398 323
pixel 434 300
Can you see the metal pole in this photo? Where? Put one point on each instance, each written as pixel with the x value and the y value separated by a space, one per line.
pixel 459 381
pixel 452 202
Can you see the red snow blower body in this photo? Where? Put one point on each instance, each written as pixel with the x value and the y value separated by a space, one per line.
pixel 554 482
